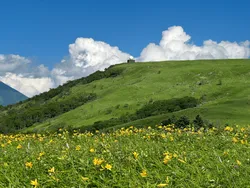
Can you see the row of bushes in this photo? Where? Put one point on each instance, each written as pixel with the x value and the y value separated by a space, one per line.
pixel 18 119
pixel 166 106
pixel 184 122
pixel 150 109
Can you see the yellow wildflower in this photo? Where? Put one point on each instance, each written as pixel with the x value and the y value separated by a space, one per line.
pixel 92 150
pixel 34 183
pixel 175 155
pixel 52 170
pixel 162 185
pixel 225 153
pixel 85 178
pixel 243 141
pixel 163 135
pixel 41 154
pixel 143 173
pixel 19 146
pixel 78 148
pixel 28 164
pixel 97 161
pixel 135 155
pixel 108 166
pixel 235 140
pixel 238 162
pixel 227 128
pixel 167 158
pixel 181 160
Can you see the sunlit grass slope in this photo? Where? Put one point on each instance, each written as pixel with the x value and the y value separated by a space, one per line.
pixel 223 86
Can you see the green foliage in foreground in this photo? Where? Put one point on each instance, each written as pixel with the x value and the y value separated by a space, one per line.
pixel 160 157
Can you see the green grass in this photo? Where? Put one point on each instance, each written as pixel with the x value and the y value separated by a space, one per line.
pixel 169 157
pixel 223 84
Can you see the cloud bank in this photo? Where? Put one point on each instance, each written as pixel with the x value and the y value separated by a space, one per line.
pixel 175 45
pixel 87 56
pixel 19 73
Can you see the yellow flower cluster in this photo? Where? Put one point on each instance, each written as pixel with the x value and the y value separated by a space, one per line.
pixel 169 156
pixel 136 155
pixel 227 128
pixel 111 146
pixel 97 162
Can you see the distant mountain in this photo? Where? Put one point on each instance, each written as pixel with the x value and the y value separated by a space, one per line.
pixel 9 95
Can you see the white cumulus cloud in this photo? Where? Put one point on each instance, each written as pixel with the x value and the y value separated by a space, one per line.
pixel 18 72
pixel 29 86
pixel 175 45
pixel 87 56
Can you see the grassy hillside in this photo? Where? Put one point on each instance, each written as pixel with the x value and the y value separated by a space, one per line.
pixel 222 85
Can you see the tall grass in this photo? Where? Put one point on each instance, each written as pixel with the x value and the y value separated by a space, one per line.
pixel 132 157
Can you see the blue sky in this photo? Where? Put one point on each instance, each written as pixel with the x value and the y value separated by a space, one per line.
pixel 43 29
pixel 45 43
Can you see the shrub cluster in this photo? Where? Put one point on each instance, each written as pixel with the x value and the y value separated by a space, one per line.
pixel 18 119
pixel 150 109
pixel 184 122
pixel 166 106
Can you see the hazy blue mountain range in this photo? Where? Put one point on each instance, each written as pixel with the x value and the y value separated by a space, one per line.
pixel 9 95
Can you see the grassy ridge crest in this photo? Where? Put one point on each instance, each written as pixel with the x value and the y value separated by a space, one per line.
pixel 221 85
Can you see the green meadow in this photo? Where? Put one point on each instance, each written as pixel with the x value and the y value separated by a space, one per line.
pixel 146 157
pixel 221 85
pixel 107 130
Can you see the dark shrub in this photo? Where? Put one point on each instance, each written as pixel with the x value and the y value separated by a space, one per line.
pixel 169 121
pixel 182 122
pixel 198 122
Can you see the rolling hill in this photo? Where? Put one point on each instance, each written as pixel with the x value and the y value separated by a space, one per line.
pixel 9 95
pixel 221 86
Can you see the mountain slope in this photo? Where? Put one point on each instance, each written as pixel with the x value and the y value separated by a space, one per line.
pixel 222 86
pixel 9 95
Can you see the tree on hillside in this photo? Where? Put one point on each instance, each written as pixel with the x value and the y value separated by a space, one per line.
pixel 198 122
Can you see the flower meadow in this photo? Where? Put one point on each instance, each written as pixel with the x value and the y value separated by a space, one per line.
pixel 162 156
